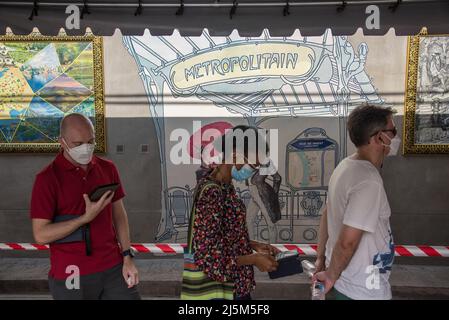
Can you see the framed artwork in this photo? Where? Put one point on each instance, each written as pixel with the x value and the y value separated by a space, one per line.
pixel 426 112
pixel 44 78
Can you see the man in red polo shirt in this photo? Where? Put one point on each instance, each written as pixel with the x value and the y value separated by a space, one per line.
pixel 60 210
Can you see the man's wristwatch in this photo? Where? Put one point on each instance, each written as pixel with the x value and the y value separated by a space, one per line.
pixel 130 252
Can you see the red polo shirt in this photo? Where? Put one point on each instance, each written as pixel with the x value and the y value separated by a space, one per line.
pixel 58 190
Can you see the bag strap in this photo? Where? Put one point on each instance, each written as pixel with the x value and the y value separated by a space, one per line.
pixel 198 193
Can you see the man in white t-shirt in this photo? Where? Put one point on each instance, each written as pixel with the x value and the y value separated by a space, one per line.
pixel 355 240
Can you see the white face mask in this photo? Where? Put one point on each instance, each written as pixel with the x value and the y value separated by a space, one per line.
pixel 81 154
pixel 394 145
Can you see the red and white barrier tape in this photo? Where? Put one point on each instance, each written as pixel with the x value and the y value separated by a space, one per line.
pixel 303 249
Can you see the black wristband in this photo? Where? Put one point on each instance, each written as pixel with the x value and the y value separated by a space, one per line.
pixel 128 252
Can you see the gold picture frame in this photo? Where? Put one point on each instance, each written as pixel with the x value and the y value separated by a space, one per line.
pixel 69 89
pixel 426 110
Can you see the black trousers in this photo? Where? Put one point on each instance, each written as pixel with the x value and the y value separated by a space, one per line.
pixel 106 285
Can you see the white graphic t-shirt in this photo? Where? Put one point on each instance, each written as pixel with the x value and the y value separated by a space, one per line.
pixel 357 199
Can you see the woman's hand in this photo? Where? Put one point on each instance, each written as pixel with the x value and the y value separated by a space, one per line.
pixel 264 248
pixel 264 262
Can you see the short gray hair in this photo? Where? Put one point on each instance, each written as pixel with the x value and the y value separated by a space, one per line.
pixel 366 120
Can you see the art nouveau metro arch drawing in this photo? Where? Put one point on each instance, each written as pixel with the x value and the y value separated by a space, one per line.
pixel 255 78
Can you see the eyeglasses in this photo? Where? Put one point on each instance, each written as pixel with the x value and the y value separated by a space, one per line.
pixel 394 131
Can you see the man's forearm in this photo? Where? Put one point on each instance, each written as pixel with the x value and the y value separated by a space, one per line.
pixel 52 232
pixel 122 228
pixel 341 256
pixel 322 235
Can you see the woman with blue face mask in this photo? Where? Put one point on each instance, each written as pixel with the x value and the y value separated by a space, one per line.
pixel 242 174
pixel 218 243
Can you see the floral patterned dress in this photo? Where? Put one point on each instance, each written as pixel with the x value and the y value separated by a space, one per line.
pixel 220 235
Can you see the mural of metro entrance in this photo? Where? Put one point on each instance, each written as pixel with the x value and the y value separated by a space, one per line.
pixel 268 82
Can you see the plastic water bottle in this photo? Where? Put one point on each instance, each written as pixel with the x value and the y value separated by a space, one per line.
pixel 317 287
pixel 309 267
pixel 318 291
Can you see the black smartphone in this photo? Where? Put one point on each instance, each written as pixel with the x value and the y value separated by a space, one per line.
pixel 101 190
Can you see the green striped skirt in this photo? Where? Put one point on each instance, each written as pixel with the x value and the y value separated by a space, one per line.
pixel 196 285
